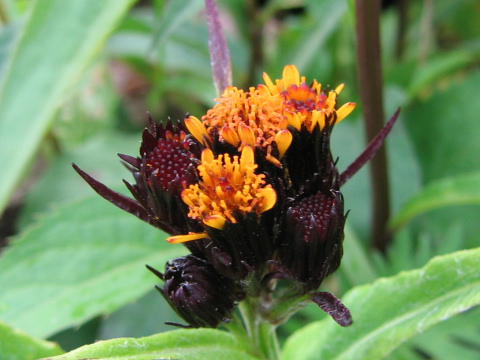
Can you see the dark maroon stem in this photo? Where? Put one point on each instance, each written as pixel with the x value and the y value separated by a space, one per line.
pixel 370 78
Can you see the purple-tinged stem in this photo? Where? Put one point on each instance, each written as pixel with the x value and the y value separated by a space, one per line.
pixel 219 53
pixel 370 78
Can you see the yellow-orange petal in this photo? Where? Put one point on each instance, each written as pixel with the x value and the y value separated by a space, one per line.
pixel 186 199
pixel 317 117
pixel 283 124
pixel 207 156
pixel 317 87
pixel 345 110
pixel 262 90
pixel 283 139
pixel 178 239
pixel 247 159
pixel 270 198
pixel 339 88
pixel 273 89
pixel 331 100
pixel 215 221
pixel 294 120
pixel 196 128
pixel 291 76
pixel 246 134
pixel 273 160
pixel 230 135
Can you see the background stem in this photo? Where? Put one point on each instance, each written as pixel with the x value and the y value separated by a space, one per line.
pixel 402 13
pixel 370 78
pixel 255 36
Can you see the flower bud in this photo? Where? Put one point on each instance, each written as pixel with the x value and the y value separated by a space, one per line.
pixel 314 234
pixel 201 296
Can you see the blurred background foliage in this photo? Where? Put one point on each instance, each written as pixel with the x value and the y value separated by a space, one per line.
pixel 89 75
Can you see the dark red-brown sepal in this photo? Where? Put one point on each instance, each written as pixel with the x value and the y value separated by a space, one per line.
pixel 333 307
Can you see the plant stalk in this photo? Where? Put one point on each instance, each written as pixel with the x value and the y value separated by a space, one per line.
pixel 370 79
pixel 262 334
pixel 402 11
pixel 255 37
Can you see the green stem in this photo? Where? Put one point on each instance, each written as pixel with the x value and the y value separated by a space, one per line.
pixel 262 334
pixel 268 340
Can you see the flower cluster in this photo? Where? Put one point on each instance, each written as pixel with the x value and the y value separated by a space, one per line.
pixel 252 190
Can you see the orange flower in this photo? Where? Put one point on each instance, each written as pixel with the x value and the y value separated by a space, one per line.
pixel 307 104
pixel 254 118
pixel 227 187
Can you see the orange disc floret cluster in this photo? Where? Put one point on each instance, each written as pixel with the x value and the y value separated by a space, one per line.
pixel 254 118
pixel 227 187
pixel 260 117
pixel 247 118
pixel 307 104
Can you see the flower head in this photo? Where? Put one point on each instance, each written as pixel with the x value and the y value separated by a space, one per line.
pixel 227 187
pixel 161 172
pixel 253 191
pixel 229 192
pixel 246 118
pixel 307 105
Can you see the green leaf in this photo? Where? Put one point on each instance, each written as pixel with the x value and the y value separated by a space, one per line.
pixel 194 344
pixel 57 42
pixel 356 265
pixel 16 345
pixel 392 310
pixel 456 338
pixel 329 14
pixel 444 129
pixel 7 40
pixel 460 190
pixel 57 181
pixel 84 259
pixel 144 317
pixel 175 14
pixel 439 67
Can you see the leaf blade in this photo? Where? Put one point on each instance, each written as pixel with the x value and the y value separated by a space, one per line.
pixel 56 44
pixel 193 344
pixel 84 259
pixel 392 310
pixel 16 345
pixel 459 190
